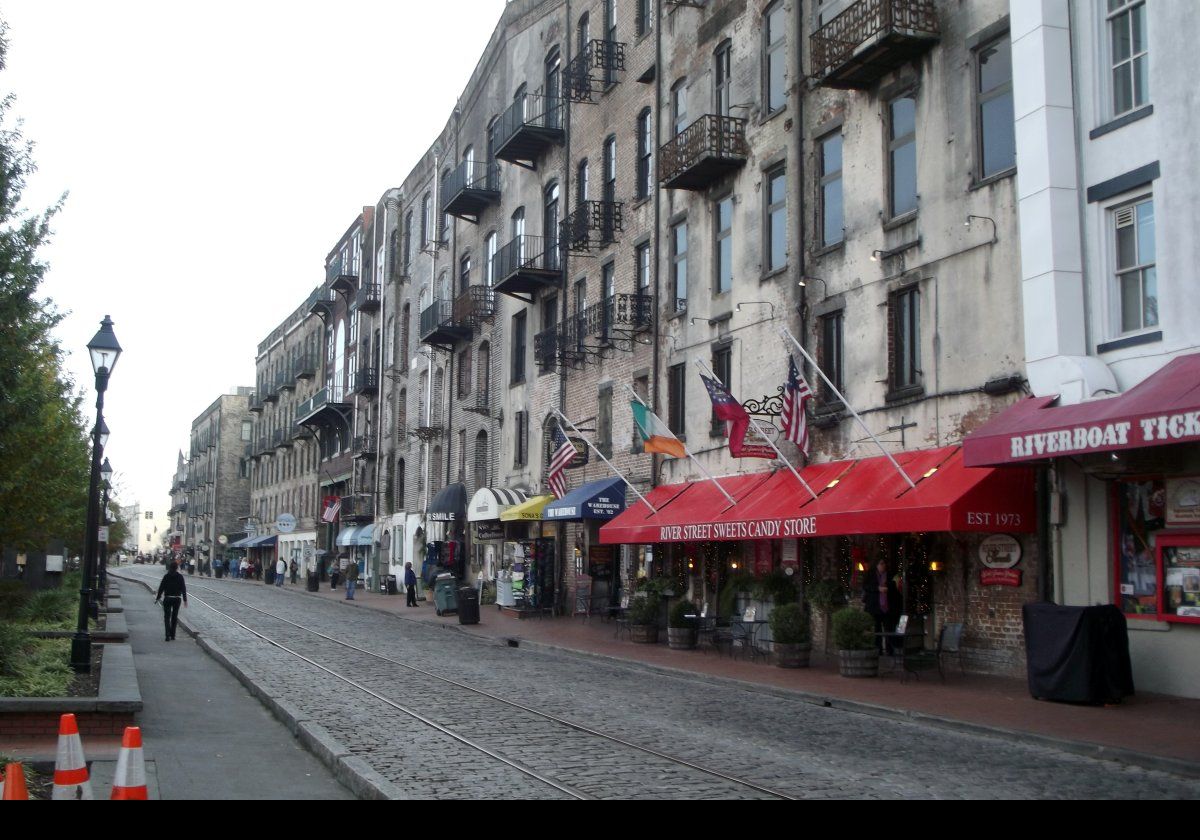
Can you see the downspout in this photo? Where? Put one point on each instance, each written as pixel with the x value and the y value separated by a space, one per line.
pixel 560 529
pixel 656 460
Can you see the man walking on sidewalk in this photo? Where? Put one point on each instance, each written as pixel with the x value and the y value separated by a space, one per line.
pixel 410 583
pixel 171 590
pixel 280 571
pixel 351 579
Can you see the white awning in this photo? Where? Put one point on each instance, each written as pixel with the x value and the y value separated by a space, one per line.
pixel 490 502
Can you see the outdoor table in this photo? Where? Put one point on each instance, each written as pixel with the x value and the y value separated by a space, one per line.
pixel 749 636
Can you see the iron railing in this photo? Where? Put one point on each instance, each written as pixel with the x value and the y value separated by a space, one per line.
pixel 835 43
pixel 711 136
pixel 579 77
pixel 532 110
pixel 603 217
pixel 524 252
pixel 368 296
pixel 470 175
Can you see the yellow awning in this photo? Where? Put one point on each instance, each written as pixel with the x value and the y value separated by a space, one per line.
pixel 528 511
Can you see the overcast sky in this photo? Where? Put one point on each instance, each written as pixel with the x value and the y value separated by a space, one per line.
pixel 213 154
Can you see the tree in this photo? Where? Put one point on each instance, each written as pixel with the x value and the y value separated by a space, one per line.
pixel 44 450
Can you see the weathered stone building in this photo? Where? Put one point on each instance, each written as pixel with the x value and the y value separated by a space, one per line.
pixel 217 484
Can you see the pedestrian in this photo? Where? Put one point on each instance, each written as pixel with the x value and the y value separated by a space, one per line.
pixel 410 583
pixel 295 570
pixel 881 599
pixel 280 571
pixel 244 568
pixel 351 580
pixel 171 590
pixel 334 575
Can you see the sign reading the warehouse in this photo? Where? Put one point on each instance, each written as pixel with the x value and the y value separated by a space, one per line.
pixel 1164 428
pixel 803 526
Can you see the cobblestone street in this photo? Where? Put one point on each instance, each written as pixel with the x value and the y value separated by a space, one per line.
pixel 793 747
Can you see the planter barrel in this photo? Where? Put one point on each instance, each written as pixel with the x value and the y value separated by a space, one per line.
pixel 645 634
pixel 792 656
pixel 681 638
pixel 858 663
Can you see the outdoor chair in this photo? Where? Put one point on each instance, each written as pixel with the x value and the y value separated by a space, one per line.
pixel 916 659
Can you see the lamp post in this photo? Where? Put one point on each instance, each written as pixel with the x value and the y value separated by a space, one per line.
pixel 101 590
pixel 104 351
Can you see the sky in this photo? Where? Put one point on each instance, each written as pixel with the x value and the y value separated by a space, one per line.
pixel 213 154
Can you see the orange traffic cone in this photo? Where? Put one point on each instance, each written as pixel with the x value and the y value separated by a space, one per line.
pixel 130 779
pixel 70 769
pixel 14 782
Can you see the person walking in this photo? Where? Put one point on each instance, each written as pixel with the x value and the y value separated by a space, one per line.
pixel 295 570
pixel 410 583
pixel 881 600
pixel 280 571
pixel 351 579
pixel 171 590
pixel 244 568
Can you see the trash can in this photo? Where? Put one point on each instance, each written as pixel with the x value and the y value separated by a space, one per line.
pixel 468 605
pixel 390 581
pixel 1077 654
pixel 313 582
pixel 443 593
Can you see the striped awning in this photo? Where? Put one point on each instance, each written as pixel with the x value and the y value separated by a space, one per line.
pixel 490 502
pixel 356 535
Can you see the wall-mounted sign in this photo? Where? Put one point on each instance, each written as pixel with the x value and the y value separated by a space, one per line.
pixel 489 530
pixel 223 540
pixel 600 562
pixel 1183 501
pixel 286 523
pixel 581 454
pixel 1000 577
pixel 1000 551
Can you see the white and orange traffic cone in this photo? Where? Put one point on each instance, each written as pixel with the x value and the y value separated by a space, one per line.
pixel 71 779
pixel 14 782
pixel 130 779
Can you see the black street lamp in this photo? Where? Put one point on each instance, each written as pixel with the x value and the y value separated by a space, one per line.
pixel 104 351
pixel 101 589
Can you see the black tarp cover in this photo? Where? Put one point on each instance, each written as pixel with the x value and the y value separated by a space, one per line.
pixel 1077 654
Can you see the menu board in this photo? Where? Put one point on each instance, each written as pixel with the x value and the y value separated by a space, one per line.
pixel 1179 570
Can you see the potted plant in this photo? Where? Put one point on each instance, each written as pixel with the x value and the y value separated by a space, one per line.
pixel 825 596
pixel 681 625
pixel 853 637
pixel 789 629
pixel 643 618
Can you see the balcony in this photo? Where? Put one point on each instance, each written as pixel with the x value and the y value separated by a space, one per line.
pixel 604 219
pixel 269 391
pixel 281 440
pixel 367 299
pixel 305 367
pixel 264 445
pixel 475 306
pixel 469 189
pixel 322 303
pixel 480 405
pixel 870 39
pixel 363 446
pixel 300 432
pixel 357 508
pixel 526 265
pixel 341 275
pixel 326 407
pixel 365 380
pixel 531 125
pixel 593 70
pixel 438 326
pixel 284 381
pixel 705 151
pixel 612 323
pixel 545 349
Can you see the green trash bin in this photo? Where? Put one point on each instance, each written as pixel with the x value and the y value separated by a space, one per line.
pixel 444 594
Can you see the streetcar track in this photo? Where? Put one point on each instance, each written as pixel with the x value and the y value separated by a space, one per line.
pixel 561 721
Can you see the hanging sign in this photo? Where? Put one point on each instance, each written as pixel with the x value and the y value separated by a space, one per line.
pixel 1000 577
pixel 1183 501
pixel 489 530
pixel 789 554
pixel 600 562
pixel 581 454
pixel 286 523
pixel 1000 551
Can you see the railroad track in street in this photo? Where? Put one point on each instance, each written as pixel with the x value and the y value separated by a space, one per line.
pixel 526 733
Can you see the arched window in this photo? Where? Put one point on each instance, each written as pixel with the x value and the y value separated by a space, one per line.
pixel 398 485
pixel 439 384
pixel 645 152
pixel 405 319
pixel 483 375
pixel 481 460
pixel 389 340
pixel 435 470
pixel 402 417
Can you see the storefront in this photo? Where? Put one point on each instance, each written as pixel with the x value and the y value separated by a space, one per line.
pixel 527 579
pixel 1123 511
pixel 958 540
pixel 488 532
pixel 445 534
pixel 354 544
pixel 298 546
pixel 594 580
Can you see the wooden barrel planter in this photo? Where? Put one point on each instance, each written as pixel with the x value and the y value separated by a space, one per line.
pixel 681 638
pixel 792 656
pixel 645 634
pixel 858 663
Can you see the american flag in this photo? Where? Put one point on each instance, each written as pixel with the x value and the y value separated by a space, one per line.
pixel 796 395
pixel 564 452
pixel 333 504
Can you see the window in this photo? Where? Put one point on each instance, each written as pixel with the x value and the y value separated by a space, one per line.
pixel 902 155
pixel 904 339
pixel 604 420
pixel 610 35
pixel 405 318
pixel 645 16
pixel 645 151
pixel 641 387
pixel 426 219
pixel 518 348
pixel 775 58
pixel 830 161
pixel 722 366
pixel 831 354
pixel 408 231
pixel 402 416
pixel 481 460
pixel 608 297
pixel 246 427
pixel 679 106
pixel 1137 284
pixel 435 469
pixel 997 134
pixel 1129 55
pixel 464 273
pixel 489 265
pixel 607 221
pixel 483 375
pixel 464 372
pixel 679 264
pixel 550 226
pixel 723 244
pixel 641 259
pixel 722 65
pixel 676 394
pixel 582 181
pixel 776 221
pixel 521 444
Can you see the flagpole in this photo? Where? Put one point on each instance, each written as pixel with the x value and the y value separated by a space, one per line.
pixel 754 423
pixel 687 451
pixel 786 334
pixel 563 419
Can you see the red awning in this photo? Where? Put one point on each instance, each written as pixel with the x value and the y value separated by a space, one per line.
pixel 866 496
pixel 1164 408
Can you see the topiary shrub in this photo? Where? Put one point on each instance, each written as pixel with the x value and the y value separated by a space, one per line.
pixel 789 625
pixel 853 630
pixel 825 594
pixel 682 615
pixel 643 610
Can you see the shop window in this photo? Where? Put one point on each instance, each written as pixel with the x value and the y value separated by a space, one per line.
pixel 1141 515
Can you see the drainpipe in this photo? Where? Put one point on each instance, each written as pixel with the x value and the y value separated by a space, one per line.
pixel 656 460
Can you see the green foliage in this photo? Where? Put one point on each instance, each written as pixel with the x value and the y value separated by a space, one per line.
pixel 644 609
pixel 656 587
pixel 52 609
pixel 825 594
pixel 13 597
pixel 44 670
pixel 789 624
pixel 683 615
pixel 777 587
pixel 735 583
pixel 43 437
pixel 853 630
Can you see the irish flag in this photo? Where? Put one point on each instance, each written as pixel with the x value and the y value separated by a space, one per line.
pixel 656 437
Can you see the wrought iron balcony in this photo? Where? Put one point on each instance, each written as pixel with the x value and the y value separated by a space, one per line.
pixel 365 380
pixel 283 380
pixel 475 306
pixel 528 264
pixel 870 39
pixel 367 298
pixel 593 69
pixel 299 432
pixel 264 445
pixel 341 275
pixel 469 189
pixel 305 366
pixel 480 405
pixel 360 506
pixel 322 303
pixel 612 323
pixel 280 439
pixel 705 151
pixel 592 223
pixel 439 327
pixel 545 348
pixel 269 391
pixel 530 126
pixel 326 406
pixel 363 446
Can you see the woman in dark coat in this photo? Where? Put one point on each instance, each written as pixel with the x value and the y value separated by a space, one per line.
pixel 881 599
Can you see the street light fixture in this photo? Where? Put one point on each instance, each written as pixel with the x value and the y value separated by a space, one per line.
pixel 104 351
